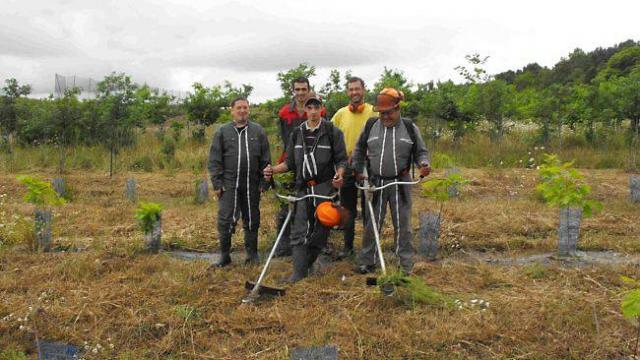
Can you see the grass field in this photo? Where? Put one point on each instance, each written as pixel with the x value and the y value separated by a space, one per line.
pixel 104 290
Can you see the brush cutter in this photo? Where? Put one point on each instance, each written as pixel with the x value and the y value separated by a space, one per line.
pixel 256 289
pixel 369 189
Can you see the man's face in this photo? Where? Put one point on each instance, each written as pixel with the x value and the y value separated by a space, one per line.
pixel 313 111
pixel 300 91
pixel 390 117
pixel 240 112
pixel 355 90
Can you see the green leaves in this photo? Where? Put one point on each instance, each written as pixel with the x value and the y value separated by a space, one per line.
pixel 438 188
pixel 562 186
pixel 412 290
pixel 39 192
pixel 630 304
pixel 147 214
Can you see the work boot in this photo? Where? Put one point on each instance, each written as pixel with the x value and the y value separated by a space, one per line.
pixel 225 249
pixel 224 260
pixel 312 255
pixel 346 253
pixel 300 263
pixel 252 259
pixel 284 247
pixel 251 247
pixel 364 269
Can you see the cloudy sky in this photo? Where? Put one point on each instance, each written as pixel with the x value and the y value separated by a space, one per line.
pixel 171 44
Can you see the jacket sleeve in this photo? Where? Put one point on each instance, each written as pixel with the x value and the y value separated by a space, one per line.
pixel 291 152
pixel 265 157
pixel 216 162
pixel 421 154
pixel 359 154
pixel 281 124
pixel 339 149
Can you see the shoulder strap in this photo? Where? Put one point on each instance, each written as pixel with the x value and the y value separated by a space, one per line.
pixel 412 134
pixel 329 130
pixel 369 125
pixel 411 129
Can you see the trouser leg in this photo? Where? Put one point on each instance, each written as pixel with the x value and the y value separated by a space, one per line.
pixel 349 199
pixel 368 251
pixel 284 246
pixel 227 219
pixel 250 208
pixel 400 205
pixel 316 241
pixel 299 229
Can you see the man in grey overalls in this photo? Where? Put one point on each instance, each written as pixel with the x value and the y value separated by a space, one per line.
pixel 316 153
pixel 387 147
pixel 239 151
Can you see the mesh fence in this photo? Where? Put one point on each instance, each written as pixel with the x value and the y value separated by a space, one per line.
pixel 63 83
pixel 87 87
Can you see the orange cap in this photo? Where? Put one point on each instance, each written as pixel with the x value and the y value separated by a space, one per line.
pixel 387 99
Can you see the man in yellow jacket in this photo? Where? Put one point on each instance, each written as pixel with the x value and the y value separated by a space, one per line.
pixel 351 120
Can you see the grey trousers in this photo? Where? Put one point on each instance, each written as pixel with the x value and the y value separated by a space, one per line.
pixel 306 230
pixel 398 197
pixel 233 205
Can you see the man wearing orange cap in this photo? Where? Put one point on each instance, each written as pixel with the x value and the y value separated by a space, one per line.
pixel 387 147
pixel 351 120
pixel 316 153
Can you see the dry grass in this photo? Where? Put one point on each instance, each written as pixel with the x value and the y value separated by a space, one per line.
pixel 157 307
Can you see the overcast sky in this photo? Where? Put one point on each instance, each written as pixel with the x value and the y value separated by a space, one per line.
pixel 171 44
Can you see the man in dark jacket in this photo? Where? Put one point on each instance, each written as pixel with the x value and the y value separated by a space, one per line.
pixel 387 147
pixel 317 155
pixel 239 151
pixel 290 116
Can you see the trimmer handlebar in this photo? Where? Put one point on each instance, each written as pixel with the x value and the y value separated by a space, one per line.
pixel 368 187
pixel 292 199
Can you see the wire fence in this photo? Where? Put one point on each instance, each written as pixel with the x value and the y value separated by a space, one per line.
pixel 88 87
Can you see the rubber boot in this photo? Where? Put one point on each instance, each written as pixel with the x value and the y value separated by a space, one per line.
pixel 284 248
pixel 225 248
pixel 312 256
pixel 251 247
pixel 300 263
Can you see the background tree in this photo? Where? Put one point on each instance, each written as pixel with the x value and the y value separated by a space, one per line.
pixel 65 118
pixel 333 93
pixel 116 94
pixel 11 92
pixel 285 78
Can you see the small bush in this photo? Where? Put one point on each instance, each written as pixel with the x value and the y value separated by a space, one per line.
pixel 168 147
pixel 147 214
pixel 412 290
pixel 561 185
pixel 143 163
pixel 39 192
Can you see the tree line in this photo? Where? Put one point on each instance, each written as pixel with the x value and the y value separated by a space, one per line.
pixel 591 93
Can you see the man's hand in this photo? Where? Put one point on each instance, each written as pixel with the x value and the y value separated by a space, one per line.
pixel 337 181
pixel 425 170
pixel 217 193
pixel 268 173
pixel 360 177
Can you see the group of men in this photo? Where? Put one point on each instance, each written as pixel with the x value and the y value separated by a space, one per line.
pixel 361 142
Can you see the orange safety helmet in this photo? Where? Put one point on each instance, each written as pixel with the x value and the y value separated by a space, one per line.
pixel 387 99
pixel 328 214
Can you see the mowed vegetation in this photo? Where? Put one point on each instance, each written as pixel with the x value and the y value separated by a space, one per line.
pixel 100 290
pixel 104 289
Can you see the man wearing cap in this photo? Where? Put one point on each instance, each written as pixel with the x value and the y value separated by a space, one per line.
pixel 387 147
pixel 239 151
pixel 316 153
pixel 351 120
pixel 291 115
